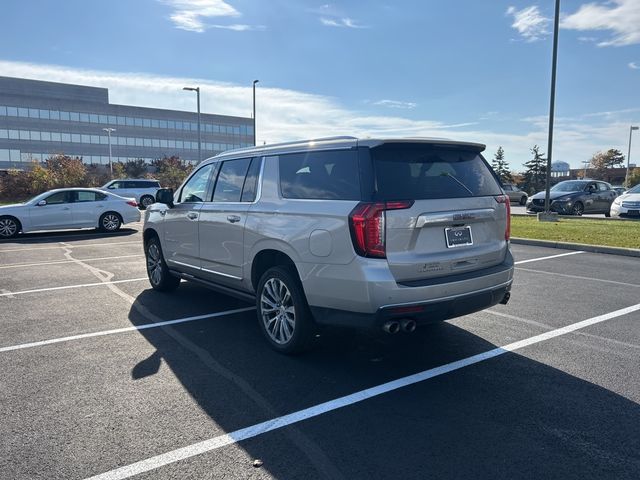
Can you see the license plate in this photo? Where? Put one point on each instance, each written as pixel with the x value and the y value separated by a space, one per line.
pixel 458 236
pixel 633 212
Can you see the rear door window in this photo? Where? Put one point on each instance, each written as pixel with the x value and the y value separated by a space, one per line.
pixel 423 171
pixel 326 175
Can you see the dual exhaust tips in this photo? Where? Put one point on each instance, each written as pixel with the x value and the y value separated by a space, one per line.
pixel 394 326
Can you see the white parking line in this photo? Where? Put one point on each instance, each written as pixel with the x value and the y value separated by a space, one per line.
pixel 357 397
pixel 65 287
pixel 580 277
pixel 66 245
pixel 55 262
pixel 124 329
pixel 547 258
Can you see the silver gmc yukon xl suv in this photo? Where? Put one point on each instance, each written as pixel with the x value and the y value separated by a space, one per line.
pixel 369 233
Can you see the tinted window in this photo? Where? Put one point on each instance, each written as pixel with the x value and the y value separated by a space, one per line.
pixel 116 185
pixel 85 196
pixel 405 171
pixel 57 198
pixel 603 187
pixel 331 175
pixel 195 188
pixel 251 182
pixel 230 180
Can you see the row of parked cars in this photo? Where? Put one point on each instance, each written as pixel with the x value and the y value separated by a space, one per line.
pixel 577 197
pixel 106 208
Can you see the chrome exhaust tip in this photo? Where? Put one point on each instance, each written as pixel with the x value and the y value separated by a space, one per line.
pixel 391 327
pixel 408 325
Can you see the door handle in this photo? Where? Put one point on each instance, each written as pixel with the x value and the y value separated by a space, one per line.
pixel 192 215
pixel 233 218
pixel 66 208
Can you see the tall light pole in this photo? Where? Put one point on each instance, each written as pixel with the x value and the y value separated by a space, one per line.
pixel 109 131
pixel 626 177
pixel 254 112
pixel 552 103
pixel 197 90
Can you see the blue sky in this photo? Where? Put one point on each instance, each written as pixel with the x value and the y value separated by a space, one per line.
pixel 467 69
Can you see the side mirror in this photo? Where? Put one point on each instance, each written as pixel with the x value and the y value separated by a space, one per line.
pixel 41 203
pixel 165 195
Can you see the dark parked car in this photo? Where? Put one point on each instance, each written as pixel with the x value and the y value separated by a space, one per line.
pixel 575 197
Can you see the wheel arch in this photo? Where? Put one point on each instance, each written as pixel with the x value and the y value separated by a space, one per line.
pixel 267 258
pixel 17 219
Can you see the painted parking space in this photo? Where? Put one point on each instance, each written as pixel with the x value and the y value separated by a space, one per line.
pixel 108 401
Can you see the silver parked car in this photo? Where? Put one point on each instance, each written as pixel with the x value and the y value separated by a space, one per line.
pixel 143 190
pixel 67 208
pixel 515 194
pixel 369 233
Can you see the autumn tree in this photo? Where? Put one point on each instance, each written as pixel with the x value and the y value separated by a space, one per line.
pixel 634 178
pixel 601 162
pixel 135 168
pixel 171 171
pixel 535 175
pixel 501 167
pixel 65 171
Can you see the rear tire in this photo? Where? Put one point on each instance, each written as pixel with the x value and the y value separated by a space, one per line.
pixel 9 227
pixel 283 313
pixel 607 214
pixel 159 275
pixel 146 201
pixel 110 222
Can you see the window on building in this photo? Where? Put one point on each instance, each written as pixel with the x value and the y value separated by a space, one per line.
pixel 84 117
pixel 60 137
pixel 113 120
pixel 24 134
pixel 94 118
pixel 95 139
pixel 146 122
pixel 75 137
pixel 103 119
pixel 46 136
pixel 4 133
pixel 35 135
pixel 12 111
pixel 3 110
pixel 63 116
pixel 137 122
pixel 74 116
pixel 85 138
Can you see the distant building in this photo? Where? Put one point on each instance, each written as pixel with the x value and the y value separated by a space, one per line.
pixel 560 170
pixel 39 119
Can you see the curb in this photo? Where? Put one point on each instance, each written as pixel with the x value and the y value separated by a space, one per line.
pixel 627 252
pixel 573 217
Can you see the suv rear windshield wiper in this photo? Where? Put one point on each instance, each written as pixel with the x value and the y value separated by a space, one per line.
pixel 447 174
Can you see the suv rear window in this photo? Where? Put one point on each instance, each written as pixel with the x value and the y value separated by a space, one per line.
pixel 326 175
pixel 418 172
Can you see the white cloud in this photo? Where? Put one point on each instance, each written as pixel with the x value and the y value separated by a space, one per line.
pixel 190 14
pixel 289 114
pixel 620 17
pixel 340 22
pixel 331 16
pixel 634 65
pixel 239 27
pixel 529 22
pixel 396 104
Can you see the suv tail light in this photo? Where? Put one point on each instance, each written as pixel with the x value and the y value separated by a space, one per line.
pixel 367 225
pixel 507 203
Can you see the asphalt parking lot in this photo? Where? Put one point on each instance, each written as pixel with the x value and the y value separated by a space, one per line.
pixel 101 376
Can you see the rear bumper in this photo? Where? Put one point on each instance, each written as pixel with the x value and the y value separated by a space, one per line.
pixel 365 293
pixel 131 216
pixel 423 312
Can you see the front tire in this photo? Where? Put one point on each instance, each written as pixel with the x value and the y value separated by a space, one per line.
pixel 283 313
pixel 9 227
pixel 110 222
pixel 523 201
pixel 578 209
pixel 159 276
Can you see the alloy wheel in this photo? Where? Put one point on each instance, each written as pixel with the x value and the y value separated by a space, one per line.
pixel 8 227
pixel 154 264
pixel 278 311
pixel 111 222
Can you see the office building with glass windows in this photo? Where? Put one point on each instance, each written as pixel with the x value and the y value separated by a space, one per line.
pixel 39 119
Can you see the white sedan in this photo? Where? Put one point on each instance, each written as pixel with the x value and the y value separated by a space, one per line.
pixel 627 204
pixel 66 208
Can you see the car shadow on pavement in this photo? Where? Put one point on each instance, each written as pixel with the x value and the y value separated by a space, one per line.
pixel 508 417
pixel 61 236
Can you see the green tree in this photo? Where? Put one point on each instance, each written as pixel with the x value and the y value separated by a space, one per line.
pixel 601 162
pixel 170 171
pixel 135 168
pixel 535 175
pixel 118 170
pixel 501 166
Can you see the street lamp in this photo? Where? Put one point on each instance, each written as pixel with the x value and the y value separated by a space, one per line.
pixel 552 104
pixel 197 90
pixel 254 112
pixel 626 177
pixel 109 131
